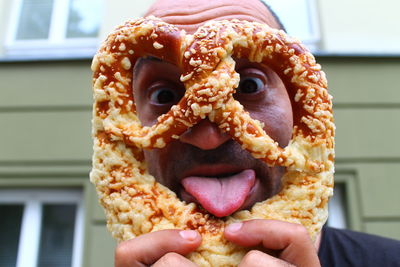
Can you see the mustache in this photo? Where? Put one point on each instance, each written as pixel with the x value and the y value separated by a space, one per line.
pixel 228 153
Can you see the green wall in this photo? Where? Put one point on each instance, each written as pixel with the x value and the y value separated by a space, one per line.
pixel 367 113
pixel 45 113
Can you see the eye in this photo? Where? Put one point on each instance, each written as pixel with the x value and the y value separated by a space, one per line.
pixel 164 94
pixel 250 85
pixel 253 80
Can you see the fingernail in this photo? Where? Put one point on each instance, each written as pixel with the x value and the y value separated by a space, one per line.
pixel 234 227
pixel 189 235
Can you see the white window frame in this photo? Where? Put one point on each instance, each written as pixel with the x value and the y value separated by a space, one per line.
pixel 56 45
pixel 33 201
pixel 283 9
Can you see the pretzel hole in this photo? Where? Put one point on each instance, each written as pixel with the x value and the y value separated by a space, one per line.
pixel 156 87
pixel 269 102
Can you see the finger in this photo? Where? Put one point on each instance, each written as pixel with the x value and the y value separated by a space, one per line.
pixel 291 239
pixel 255 258
pixel 173 259
pixel 147 249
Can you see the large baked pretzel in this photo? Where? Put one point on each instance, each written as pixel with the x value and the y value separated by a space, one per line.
pixel 134 202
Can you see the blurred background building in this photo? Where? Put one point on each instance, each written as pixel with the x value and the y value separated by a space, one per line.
pixel 49 215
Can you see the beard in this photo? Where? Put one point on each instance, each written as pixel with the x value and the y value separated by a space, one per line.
pixel 177 160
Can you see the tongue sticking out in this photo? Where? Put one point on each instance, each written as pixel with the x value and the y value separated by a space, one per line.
pixel 221 196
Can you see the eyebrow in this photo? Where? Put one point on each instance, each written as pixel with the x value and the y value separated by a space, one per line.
pixel 141 61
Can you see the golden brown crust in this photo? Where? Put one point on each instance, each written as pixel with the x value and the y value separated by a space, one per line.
pixel 134 202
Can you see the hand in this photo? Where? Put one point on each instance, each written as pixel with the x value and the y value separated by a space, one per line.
pixel 290 242
pixel 162 248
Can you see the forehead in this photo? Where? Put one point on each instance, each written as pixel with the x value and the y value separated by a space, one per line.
pixel 146 64
pixel 189 14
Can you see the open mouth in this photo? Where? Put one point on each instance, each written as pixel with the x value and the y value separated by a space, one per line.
pixel 222 191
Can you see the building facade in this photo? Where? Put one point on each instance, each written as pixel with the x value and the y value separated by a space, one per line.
pixel 49 211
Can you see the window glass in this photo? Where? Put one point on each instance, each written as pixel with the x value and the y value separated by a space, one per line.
pixel 57 235
pixel 35 18
pixel 10 228
pixel 40 228
pixel 83 19
pixel 337 207
pixel 53 28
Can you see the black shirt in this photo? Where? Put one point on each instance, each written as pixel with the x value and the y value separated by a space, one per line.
pixel 341 248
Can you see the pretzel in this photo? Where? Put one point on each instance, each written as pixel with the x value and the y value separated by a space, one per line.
pixel 134 202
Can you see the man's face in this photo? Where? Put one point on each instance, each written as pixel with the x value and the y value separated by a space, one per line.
pixel 205 165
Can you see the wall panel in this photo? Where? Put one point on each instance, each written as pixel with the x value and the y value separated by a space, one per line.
pixel 367 133
pixel 390 229
pixel 363 81
pixel 45 136
pixel 45 84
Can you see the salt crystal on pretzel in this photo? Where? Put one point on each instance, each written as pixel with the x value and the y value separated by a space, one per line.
pixel 134 202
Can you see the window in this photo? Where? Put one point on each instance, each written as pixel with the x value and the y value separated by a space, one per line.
pixel 300 19
pixel 41 228
pixel 50 28
pixel 337 207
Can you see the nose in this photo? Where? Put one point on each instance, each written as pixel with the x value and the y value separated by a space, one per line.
pixel 205 135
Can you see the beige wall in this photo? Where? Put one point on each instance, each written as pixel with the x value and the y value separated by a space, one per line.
pixel 360 26
pixel 5 8
pixel 118 11
pixel 356 26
